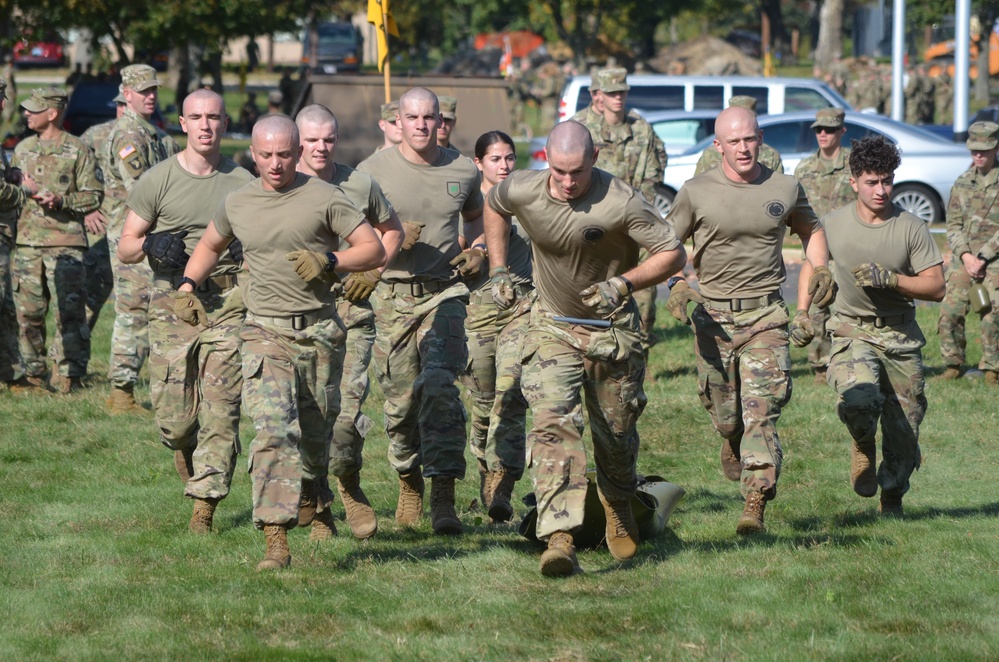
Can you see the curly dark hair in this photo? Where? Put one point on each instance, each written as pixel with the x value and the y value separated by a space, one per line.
pixel 874 154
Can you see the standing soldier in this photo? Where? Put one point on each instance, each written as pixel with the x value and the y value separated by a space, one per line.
pixel 943 98
pixel 972 224
pixel 769 156
pixel 741 328
pixel 419 307
pixel 289 226
pixel 825 176
pixel 48 261
pixel 12 196
pixel 389 126
pixel 586 227
pixel 134 147
pixel 318 132
pixel 449 117
pixel 885 258
pixel 194 372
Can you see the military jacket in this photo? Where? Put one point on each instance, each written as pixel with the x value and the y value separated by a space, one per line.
pixel 973 213
pixel 12 197
pixel 826 182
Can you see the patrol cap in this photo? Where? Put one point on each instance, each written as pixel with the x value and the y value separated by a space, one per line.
pixel 983 135
pixel 449 106
pixel 830 118
pixel 139 77
pixel 120 97
pixel 275 97
pixel 389 111
pixel 743 101
pixel 43 98
pixel 611 80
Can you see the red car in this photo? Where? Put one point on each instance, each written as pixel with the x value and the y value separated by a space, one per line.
pixel 39 54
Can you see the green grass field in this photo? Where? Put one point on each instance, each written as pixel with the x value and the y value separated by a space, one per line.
pixel 96 561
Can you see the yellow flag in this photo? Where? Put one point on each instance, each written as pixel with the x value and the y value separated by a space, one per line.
pixel 380 16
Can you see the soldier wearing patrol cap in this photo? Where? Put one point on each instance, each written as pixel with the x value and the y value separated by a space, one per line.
pixel 825 177
pixel 51 240
pixel 12 196
pixel 133 147
pixel 449 110
pixel 388 123
pixel 973 237
pixel 769 156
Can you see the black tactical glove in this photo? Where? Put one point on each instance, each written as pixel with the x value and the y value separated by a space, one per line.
pixel 167 248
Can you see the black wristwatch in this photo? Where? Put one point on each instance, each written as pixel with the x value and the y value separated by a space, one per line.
pixel 674 280
pixel 331 256
pixel 189 281
pixel 628 284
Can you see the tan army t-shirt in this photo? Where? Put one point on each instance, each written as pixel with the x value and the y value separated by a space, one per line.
pixel 173 199
pixel 738 230
pixel 901 244
pixel 580 242
pixel 434 195
pixel 364 192
pixel 309 214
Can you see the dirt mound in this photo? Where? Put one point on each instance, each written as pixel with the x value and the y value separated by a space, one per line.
pixel 705 56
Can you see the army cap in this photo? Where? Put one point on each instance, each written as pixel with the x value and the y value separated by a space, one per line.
pixel 830 118
pixel 983 135
pixel 120 97
pixel 274 97
pixel 139 77
pixel 43 98
pixel 449 106
pixel 389 111
pixel 743 101
pixel 611 80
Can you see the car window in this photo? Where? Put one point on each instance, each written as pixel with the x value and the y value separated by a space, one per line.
pixel 858 131
pixel 584 99
pixel 761 95
pixel 789 137
pixel 803 98
pixel 709 97
pixel 655 97
pixel 682 134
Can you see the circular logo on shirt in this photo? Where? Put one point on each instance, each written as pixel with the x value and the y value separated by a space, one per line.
pixel 592 234
pixel 775 208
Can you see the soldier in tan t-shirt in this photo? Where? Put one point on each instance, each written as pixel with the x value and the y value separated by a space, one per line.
pixel 737 215
pixel 420 310
pixel 289 225
pixel 885 258
pixel 586 229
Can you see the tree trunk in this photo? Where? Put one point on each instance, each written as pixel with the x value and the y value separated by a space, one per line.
pixel 830 46
pixel 180 74
pixel 778 32
pixel 982 81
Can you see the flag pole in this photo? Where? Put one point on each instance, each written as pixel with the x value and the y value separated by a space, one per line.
pixel 388 61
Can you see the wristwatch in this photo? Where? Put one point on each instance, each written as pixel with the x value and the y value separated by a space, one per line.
pixel 333 261
pixel 189 281
pixel 674 280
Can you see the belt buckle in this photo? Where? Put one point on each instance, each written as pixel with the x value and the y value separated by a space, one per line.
pixel 298 322
pixel 416 288
pixel 880 322
pixel 735 305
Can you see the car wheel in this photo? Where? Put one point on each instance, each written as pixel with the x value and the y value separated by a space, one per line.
pixel 664 200
pixel 920 201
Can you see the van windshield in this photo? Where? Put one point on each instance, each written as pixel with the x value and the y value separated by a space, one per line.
pixel 336 33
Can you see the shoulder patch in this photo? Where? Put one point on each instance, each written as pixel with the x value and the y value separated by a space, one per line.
pixel 126 152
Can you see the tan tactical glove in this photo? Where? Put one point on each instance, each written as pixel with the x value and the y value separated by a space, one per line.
pixel 604 298
pixel 310 265
pixel 188 307
pixel 469 263
pixel 359 286
pixel 680 295
pixel 501 285
pixel 800 329
pixel 822 287
pixel 411 234
pixel 874 275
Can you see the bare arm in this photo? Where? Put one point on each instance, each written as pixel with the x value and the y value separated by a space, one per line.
pixel 657 268
pixel 391 235
pixel 496 228
pixel 816 255
pixel 205 257
pixel 132 236
pixel 927 285
pixel 365 252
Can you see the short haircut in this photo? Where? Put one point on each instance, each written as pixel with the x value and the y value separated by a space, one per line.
pixel 316 114
pixel 204 94
pixel 876 155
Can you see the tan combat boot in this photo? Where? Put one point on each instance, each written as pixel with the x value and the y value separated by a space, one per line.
pixel 204 513
pixel 500 508
pixel 559 560
pixel 308 502
pixel 992 378
pixel 731 460
pixel 863 466
pixel 752 515
pixel 323 526
pixel 410 507
pixel 183 462
pixel 28 384
pixel 621 531
pixel 952 372
pixel 891 504
pixel 360 515
pixel 122 401
pixel 278 555
pixel 64 385
pixel 442 515
pixel 485 485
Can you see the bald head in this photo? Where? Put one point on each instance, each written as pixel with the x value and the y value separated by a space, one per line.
pixel 204 121
pixel 274 126
pixel 570 160
pixel 275 150
pixel 198 97
pixel 419 95
pixel 316 114
pixel 570 138
pixel 735 116
pixel 738 139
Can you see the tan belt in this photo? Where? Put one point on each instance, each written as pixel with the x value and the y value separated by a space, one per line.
pixel 293 322
pixel 418 288
pixel 882 322
pixel 740 305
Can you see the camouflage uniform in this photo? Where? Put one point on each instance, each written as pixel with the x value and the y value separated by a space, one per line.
pixel 352 426
pixel 133 147
pixel 11 199
pixel 48 260
pixel 97 259
pixel 943 99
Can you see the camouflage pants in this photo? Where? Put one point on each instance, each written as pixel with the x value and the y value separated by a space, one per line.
pixel 100 278
pixel 11 366
pixel 195 380
pixel 953 311
pixel 291 388
pixel 499 409
pixel 990 323
pixel 419 353
pixel 38 274
pixel 819 348
pixel 352 425
pixel 130 335
pixel 563 366
pixel 744 379
pixel 878 374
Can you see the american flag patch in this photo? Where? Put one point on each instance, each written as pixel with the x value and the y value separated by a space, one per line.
pixel 126 151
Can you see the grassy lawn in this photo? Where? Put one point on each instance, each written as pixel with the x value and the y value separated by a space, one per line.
pixel 97 562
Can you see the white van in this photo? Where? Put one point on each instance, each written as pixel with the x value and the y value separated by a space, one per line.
pixel 650 92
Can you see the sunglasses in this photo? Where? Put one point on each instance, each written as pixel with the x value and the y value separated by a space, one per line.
pixel 825 129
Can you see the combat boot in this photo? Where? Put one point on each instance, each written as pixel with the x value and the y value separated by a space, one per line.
pixel 992 378
pixel 485 485
pixel 183 462
pixel 64 384
pixel 308 502
pixel 559 560
pixel 952 372
pixel 28 384
pixel 622 530
pixel 410 507
pixel 500 508
pixel 204 513
pixel 323 526
pixel 122 400
pixel 731 460
pixel 863 466
pixel 752 516
pixel 442 515
pixel 278 555
pixel 891 504
pixel 360 515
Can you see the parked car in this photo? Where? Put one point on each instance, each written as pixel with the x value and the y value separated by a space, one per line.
pixel 47 53
pixel 338 49
pixel 92 102
pixel 930 164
